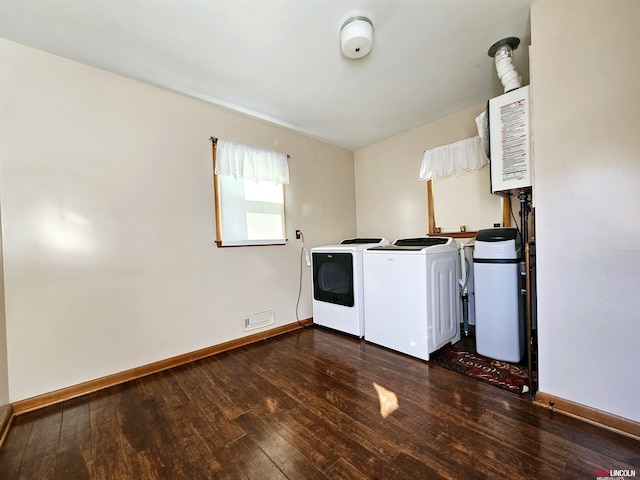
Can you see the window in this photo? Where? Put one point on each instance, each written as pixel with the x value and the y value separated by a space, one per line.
pixel 475 207
pixel 249 194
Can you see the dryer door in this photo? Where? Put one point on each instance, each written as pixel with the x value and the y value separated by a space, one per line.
pixel 333 278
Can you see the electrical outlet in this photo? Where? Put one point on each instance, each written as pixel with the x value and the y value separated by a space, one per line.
pixel 298 234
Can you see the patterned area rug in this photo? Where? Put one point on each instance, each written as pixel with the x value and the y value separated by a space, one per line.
pixel 501 374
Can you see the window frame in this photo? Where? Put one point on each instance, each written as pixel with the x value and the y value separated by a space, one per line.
pixel 217 189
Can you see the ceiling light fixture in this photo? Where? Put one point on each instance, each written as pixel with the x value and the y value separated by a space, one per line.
pixel 356 37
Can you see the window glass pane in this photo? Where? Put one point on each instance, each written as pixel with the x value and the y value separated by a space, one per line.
pixel 263 191
pixel 232 209
pixel 251 213
pixel 264 226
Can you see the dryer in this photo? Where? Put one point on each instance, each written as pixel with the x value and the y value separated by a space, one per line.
pixel 411 295
pixel 338 284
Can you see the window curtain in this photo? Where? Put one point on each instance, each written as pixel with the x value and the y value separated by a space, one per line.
pixel 453 159
pixel 241 161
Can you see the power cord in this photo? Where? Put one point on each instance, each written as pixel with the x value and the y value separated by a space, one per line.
pixel 305 253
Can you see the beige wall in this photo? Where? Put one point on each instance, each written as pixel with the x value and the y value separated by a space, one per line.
pixel 4 365
pixel 585 72
pixel 392 202
pixel 108 223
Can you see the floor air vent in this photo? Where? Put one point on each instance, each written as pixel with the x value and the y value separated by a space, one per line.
pixel 258 320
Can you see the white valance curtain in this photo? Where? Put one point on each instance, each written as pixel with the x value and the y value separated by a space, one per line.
pixel 249 163
pixel 453 159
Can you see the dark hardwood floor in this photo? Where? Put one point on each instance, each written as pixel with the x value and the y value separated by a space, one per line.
pixel 306 405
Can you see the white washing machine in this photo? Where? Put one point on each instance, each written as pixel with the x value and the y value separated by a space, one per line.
pixel 338 286
pixel 411 295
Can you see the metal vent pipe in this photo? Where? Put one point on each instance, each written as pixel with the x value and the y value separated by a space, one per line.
pixel 502 51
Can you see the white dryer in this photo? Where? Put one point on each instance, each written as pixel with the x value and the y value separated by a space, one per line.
pixel 411 294
pixel 338 286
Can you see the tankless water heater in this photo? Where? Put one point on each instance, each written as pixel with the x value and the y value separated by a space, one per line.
pixel 510 141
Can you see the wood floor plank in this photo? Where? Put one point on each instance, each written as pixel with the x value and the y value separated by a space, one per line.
pixel 308 404
pixel 253 462
pixel 108 455
pixel 420 467
pixel 367 455
pixel 196 454
pixel 204 411
pixel 245 386
pixel 510 457
pixel 168 385
pixel 155 431
pixel 317 394
pixel 291 461
pixel 40 454
pixel 225 386
pixel 542 440
pixel 491 457
pixel 611 444
pixel 71 465
pixel 386 432
pixel 343 470
pixel 74 445
pixel 14 446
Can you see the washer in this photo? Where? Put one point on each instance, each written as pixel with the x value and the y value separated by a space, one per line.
pixel 411 295
pixel 338 284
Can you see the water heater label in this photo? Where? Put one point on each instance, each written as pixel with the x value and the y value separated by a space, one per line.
pixel 514 140
pixel 510 141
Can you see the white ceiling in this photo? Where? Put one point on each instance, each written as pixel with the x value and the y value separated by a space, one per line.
pixel 280 60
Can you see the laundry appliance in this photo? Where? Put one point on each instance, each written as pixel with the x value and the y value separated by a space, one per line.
pixel 411 295
pixel 338 284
